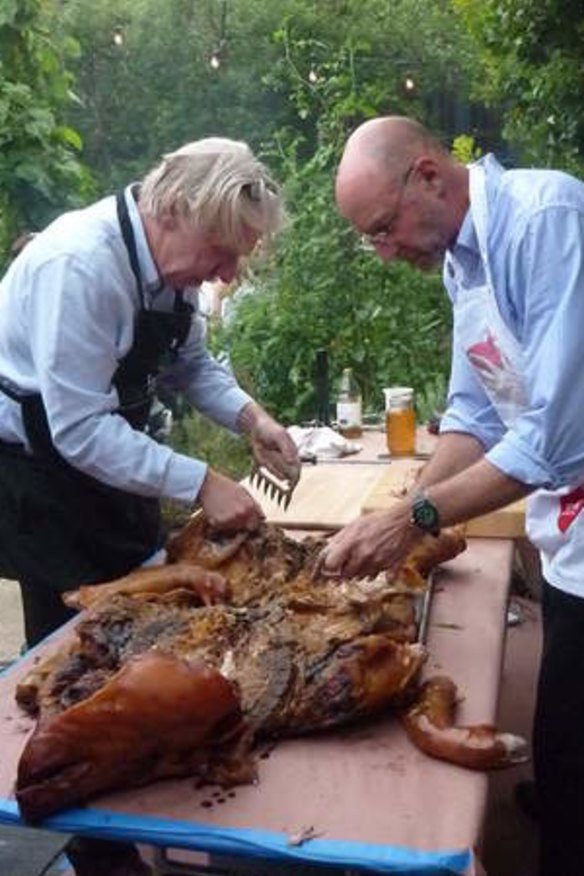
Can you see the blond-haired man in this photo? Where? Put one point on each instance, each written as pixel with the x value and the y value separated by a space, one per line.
pixel 96 311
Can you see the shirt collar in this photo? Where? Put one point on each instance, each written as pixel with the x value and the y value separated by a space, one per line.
pixel 466 246
pixel 466 243
pixel 465 250
pixel 467 237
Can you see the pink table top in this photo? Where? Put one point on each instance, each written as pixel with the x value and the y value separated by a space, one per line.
pixel 366 784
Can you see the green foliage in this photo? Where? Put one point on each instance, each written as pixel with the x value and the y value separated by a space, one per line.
pixel 156 90
pixel 365 59
pixel 294 77
pixel 532 55
pixel 431 399
pixel 465 150
pixel 323 290
pixel 40 173
pixel 194 435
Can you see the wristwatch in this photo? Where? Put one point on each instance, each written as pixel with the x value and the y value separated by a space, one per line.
pixel 424 513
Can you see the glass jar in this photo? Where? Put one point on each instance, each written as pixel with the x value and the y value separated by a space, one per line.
pixel 400 420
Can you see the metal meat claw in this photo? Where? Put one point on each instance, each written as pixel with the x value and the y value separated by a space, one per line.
pixel 279 491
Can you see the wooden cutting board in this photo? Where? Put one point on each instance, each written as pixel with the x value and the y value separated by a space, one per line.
pixel 327 496
pixel 395 479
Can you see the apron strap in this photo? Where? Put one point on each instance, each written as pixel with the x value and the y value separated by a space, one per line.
pixel 130 241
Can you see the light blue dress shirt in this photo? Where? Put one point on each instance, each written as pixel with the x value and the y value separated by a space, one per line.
pixel 536 255
pixel 68 305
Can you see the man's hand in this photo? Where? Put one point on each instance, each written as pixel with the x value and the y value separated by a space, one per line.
pixel 370 544
pixel 271 444
pixel 228 505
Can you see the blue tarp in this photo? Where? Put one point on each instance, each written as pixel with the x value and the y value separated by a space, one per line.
pixel 246 843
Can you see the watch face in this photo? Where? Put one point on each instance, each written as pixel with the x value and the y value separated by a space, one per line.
pixel 425 515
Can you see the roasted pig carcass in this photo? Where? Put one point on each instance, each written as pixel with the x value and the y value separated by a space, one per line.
pixel 180 669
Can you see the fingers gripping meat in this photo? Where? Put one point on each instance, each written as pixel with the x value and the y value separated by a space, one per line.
pixel 429 723
pixel 155 705
pixel 209 587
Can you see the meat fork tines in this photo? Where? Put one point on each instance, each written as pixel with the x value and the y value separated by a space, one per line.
pixel 278 490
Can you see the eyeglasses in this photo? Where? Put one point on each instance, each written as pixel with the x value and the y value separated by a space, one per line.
pixel 383 233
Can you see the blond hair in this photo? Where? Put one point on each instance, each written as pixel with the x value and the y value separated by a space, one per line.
pixel 216 184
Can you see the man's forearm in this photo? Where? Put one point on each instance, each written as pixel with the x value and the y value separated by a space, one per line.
pixel 455 451
pixel 477 490
pixel 462 484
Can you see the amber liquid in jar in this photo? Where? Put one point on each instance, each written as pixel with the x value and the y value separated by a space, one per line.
pixel 354 431
pixel 400 431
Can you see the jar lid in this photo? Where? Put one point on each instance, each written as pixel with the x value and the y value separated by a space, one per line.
pixel 398 396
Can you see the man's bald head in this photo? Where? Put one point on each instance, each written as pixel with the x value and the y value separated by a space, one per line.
pixel 397 185
pixel 391 139
pixel 381 149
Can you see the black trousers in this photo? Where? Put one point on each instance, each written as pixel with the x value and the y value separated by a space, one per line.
pixel 60 529
pixel 558 736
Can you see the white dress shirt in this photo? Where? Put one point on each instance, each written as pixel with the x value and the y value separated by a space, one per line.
pixel 68 306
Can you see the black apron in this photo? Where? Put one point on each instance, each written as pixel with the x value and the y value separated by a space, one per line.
pixel 59 527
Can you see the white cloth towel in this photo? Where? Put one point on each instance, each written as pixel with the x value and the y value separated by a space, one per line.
pixel 322 442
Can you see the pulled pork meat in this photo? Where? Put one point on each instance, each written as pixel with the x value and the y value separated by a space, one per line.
pixel 179 669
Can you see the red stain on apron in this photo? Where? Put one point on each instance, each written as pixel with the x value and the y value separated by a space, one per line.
pixel 570 507
pixel 485 351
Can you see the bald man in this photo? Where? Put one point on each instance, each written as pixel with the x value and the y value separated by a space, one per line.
pixel 511 247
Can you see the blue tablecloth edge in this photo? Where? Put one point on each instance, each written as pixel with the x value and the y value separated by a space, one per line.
pixel 244 842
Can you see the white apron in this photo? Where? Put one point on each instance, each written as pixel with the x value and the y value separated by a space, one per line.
pixel 555 522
